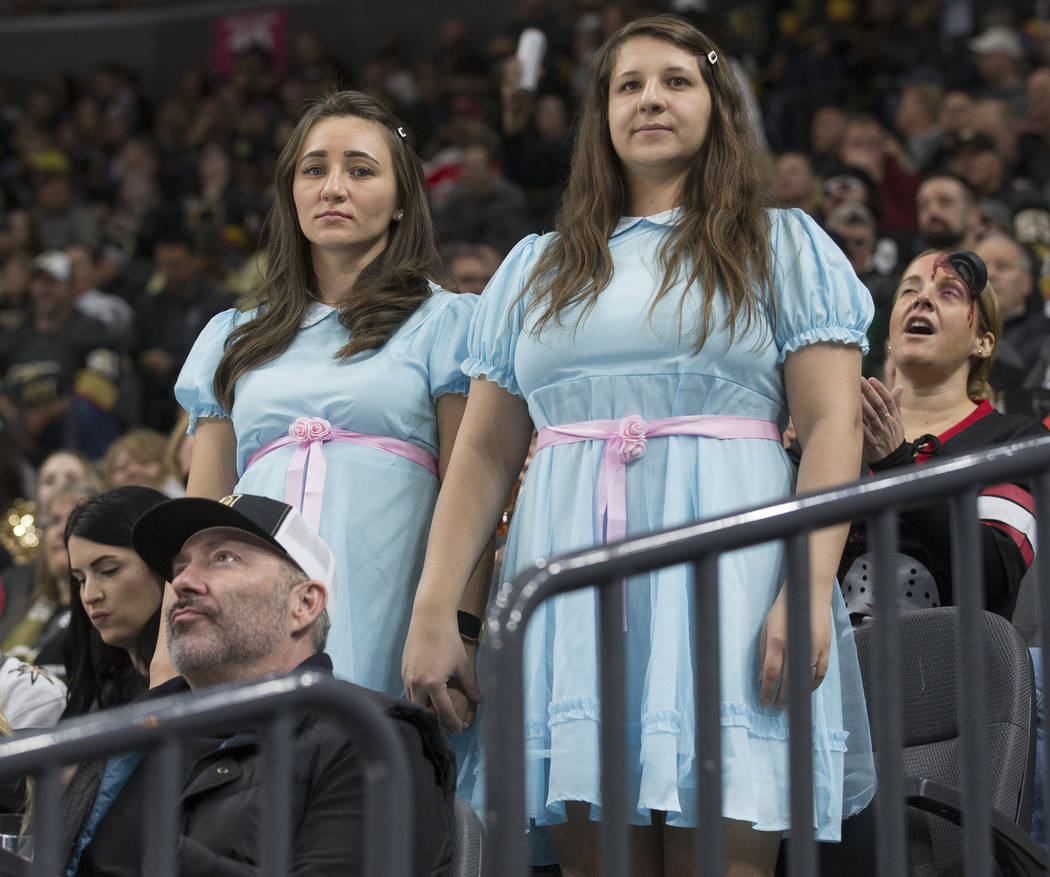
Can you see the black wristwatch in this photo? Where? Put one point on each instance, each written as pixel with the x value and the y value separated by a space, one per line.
pixel 469 626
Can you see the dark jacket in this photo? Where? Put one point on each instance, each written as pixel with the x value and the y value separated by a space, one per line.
pixel 222 799
pixel 1006 513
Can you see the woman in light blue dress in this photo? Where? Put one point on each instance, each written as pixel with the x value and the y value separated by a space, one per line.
pixel 665 332
pixel 342 393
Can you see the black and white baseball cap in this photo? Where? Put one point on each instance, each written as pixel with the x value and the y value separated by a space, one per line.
pixel 162 531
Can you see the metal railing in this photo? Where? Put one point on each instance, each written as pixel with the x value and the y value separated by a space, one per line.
pixel 156 726
pixel 877 501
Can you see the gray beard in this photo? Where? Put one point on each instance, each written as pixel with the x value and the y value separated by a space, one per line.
pixel 238 636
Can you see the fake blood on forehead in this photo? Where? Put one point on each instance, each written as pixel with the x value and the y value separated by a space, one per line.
pixel 943 264
pixel 941 261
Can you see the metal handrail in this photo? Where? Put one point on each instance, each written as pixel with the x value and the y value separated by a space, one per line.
pixel 156 726
pixel 877 500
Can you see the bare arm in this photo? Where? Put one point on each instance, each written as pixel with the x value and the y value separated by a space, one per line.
pixel 161 669
pixel 213 465
pixel 821 382
pixel 450 411
pixel 491 445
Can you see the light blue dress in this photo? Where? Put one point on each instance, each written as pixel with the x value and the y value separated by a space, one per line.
pixel 618 361
pixel 377 505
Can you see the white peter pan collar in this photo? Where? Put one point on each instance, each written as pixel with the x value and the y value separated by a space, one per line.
pixel 666 217
pixel 314 313
pixel 318 310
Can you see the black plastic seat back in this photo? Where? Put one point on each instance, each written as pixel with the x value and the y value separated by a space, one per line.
pixel 931 744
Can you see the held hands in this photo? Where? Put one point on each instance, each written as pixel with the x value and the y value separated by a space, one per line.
pixel 463 705
pixel 881 413
pixel 773 665
pixel 437 668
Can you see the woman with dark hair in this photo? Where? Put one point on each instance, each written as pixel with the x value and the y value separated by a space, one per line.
pixel 659 340
pixel 115 601
pixel 342 392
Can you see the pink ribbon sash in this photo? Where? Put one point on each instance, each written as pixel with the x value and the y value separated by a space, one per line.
pixel 625 441
pixel 304 485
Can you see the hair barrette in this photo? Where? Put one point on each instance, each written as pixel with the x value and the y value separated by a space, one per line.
pixel 712 56
pixel 402 132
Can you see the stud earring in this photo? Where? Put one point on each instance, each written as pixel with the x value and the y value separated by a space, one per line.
pixel 399 215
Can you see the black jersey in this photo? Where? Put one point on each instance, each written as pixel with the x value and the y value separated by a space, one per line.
pixel 923 562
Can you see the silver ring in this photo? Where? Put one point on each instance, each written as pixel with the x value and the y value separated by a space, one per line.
pixel 813 666
pixel 885 415
pixel 466 725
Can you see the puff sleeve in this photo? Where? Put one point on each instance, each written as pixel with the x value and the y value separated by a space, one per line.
pixel 817 295
pixel 497 322
pixel 448 345
pixel 193 388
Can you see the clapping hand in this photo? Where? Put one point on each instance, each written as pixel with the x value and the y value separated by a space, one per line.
pixel 881 413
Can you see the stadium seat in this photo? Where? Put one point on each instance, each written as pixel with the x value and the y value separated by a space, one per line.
pixel 932 748
pixel 466 862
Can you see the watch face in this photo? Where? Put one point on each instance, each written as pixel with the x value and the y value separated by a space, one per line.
pixel 469 625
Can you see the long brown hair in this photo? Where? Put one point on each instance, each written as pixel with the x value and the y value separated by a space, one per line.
pixel 386 293
pixel 989 319
pixel 722 237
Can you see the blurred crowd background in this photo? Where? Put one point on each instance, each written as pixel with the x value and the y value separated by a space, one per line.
pixel 132 198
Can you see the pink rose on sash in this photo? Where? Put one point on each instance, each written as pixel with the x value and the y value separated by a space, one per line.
pixel 319 429
pixel 310 429
pixel 631 432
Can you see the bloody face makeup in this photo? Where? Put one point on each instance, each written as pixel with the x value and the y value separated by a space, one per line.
pixel 970 269
pixel 934 317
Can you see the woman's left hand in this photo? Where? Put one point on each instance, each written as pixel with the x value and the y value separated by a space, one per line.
pixel 437 668
pixel 773 663
pixel 881 414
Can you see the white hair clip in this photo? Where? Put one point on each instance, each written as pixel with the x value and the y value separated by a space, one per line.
pixel 712 56
pixel 404 134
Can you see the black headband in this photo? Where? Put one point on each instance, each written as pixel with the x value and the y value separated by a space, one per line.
pixel 971 270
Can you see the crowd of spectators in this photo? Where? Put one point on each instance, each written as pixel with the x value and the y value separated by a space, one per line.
pixel 127 219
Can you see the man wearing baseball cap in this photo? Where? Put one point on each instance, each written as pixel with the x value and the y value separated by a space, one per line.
pixel 250 581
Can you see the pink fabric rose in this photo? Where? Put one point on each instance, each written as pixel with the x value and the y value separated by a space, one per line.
pixel 319 429
pixel 631 433
pixel 310 429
